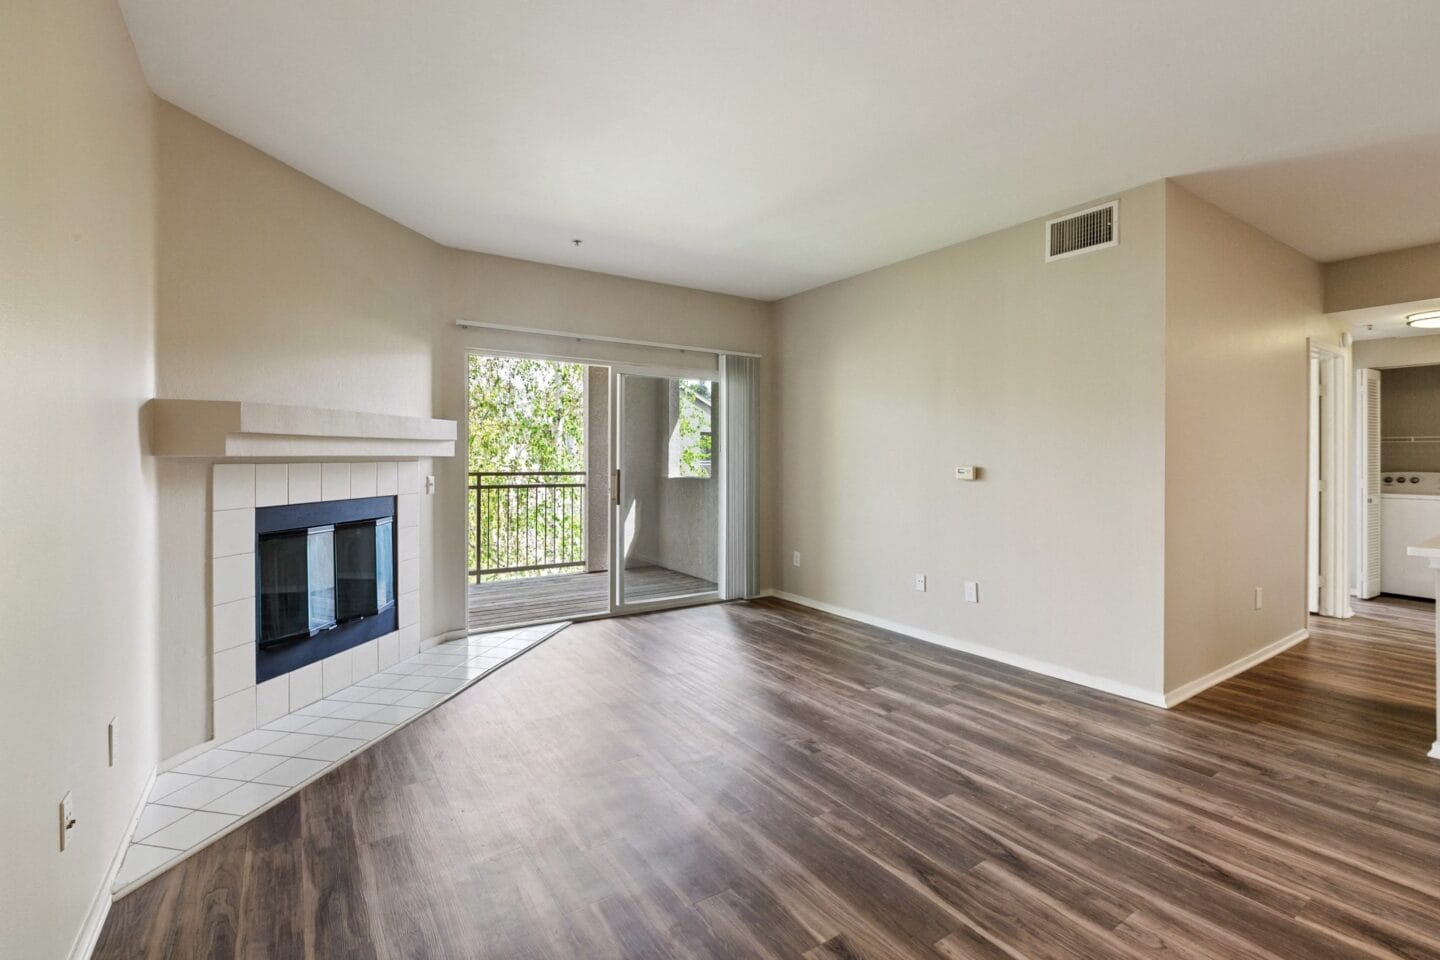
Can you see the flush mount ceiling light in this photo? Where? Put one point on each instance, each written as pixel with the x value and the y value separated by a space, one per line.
pixel 1428 320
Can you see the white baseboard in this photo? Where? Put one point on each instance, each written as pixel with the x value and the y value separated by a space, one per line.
pixel 1187 690
pixel 1045 668
pixel 89 934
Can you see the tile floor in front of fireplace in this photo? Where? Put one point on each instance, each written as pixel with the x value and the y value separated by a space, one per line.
pixel 209 794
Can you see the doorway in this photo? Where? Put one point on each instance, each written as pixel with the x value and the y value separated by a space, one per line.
pixel 667 491
pixel 599 489
pixel 538 467
pixel 1326 575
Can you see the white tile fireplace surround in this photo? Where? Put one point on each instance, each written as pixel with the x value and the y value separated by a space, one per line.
pixel 237 490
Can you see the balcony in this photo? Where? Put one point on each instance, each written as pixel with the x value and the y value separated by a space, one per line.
pixel 529 559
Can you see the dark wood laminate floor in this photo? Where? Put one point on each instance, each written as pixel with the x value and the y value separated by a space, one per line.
pixel 757 780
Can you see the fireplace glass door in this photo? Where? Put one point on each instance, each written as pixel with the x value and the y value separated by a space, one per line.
pixel 297 584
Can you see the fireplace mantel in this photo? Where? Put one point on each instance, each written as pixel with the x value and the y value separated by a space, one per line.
pixel 242 429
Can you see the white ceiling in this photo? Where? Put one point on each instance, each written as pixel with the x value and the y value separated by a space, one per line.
pixel 764 148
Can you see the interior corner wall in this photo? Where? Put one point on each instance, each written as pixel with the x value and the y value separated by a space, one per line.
pixel 1239 307
pixel 1051 378
pixel 274 287
pixel 77 336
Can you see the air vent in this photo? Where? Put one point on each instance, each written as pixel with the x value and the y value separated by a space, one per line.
pixel 1082 232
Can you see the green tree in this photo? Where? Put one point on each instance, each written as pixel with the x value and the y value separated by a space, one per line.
pixel 525 416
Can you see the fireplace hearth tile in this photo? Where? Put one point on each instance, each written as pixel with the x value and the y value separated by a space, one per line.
pixel 331 748
pixel 292 772
pixel 253 769
pixel 200 793
pixel 250 766
pixel 245 799
pixel 209 761
pixel 291 745
pixel 189 830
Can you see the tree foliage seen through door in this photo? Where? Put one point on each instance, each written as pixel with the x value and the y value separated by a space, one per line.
pixel 526 416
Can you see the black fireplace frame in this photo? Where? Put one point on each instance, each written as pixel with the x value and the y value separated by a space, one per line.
pixel 277 658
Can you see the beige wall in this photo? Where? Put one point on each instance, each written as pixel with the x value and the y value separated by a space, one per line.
pixel 1238 308
pixel 275 287
pixel 1410 407
pixel 1397 352
pixel 77 497
pixel 1400 276
pixel 1050 377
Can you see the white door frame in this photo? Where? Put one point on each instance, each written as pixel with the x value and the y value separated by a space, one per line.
pixel 1334 439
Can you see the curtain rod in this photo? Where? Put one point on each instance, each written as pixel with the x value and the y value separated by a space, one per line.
pixel 541 331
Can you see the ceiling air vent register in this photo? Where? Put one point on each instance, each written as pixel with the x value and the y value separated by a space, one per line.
pixel 1092 229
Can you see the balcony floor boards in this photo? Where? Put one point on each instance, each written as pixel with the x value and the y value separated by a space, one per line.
pixel 761 780
pixel 565 596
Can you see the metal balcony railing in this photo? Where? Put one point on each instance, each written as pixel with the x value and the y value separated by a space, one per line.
pixel 526 522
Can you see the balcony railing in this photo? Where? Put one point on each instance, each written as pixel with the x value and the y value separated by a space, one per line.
pixel 526 523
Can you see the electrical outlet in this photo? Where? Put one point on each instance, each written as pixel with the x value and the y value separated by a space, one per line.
pixel 967 473
pixel 112 744
pixel 795 560
pixel 1259 598
pixel 972 591
pixel 430 484
pixel 67 820
pixel 920 582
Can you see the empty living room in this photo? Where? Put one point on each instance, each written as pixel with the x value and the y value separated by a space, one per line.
pixel 541 479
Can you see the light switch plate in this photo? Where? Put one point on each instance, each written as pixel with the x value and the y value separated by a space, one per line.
pixel 111 733
pixel 430 483
pixel 920 583
pixel 795 560
pixel 972 591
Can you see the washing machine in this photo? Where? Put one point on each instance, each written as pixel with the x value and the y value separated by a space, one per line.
pixel 1410 514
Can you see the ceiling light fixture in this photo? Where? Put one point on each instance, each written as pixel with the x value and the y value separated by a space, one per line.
pixel 1428 320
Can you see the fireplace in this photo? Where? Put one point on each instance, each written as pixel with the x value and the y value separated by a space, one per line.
pixel 324 580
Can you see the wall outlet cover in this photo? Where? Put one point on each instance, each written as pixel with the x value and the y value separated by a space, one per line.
pixel 795 559
pixel 972 591
pixel 112 732
pixel 67 820
pixel 920 582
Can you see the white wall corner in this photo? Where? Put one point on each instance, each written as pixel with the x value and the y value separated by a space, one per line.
pixel 89 935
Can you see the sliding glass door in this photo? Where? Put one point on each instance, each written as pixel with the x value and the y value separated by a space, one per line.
pixel 666 490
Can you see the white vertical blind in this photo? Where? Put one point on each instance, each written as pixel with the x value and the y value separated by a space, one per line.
pixel 739 476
